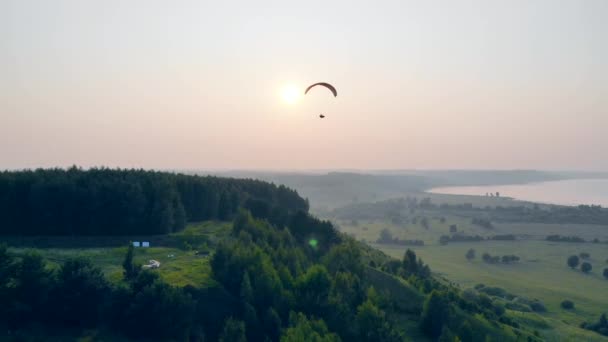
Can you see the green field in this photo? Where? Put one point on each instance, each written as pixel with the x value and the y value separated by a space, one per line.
pixel 541 274
pixel 177 267
pixel 180 264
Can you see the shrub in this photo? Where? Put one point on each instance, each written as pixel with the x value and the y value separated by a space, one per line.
pixel 573 261
pixel 538 306
pixel 586 267
pixel 567 304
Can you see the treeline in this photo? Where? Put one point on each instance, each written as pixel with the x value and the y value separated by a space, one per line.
pixel 505 259
pixel 386 237
pixel 482 223
pixel 459 237
pixel 399 209
pixel 130 202
pixel 503 237
pixel 559 238
pixel 582 214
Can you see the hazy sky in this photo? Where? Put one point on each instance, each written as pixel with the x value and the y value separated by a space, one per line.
pixel 197 84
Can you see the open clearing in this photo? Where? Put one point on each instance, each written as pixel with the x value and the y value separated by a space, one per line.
pixel 179 266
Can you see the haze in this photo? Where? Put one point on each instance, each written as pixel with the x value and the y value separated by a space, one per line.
pixel 196 84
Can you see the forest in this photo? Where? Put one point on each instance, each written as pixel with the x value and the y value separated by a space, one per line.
pixel 127 202
pixel 280 275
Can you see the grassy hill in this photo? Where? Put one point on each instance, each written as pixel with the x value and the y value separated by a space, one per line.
pixel 540 274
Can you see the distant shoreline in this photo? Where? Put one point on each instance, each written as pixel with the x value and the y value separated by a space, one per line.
pixel 569 192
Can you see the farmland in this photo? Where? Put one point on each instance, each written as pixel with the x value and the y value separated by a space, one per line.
pixel 541 274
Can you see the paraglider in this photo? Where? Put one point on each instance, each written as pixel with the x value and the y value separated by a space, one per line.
pixel 323 84
pixel 326 85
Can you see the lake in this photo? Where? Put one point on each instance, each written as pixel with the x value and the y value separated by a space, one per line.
pixel 566 192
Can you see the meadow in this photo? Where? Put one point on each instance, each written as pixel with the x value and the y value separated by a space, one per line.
pixel 181 262
pixel 541 273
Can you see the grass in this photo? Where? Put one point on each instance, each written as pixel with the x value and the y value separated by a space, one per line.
pixel 541 274
pixel 179 266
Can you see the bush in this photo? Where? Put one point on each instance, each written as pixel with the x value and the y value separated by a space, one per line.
pixel 573 261
pixel 586 267
pixel 567 304
pixel 538 306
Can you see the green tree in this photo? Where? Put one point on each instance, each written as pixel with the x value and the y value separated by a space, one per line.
pixel 447 335
pixel 586 267
pixel 372 324
pixel 435 314
pixel 567 304
pixel 246 290
pixel 410 265
pixel 6 273
pixel 81 289
pixel 130 270
pixel 385 236
pixel 470 254
pixel 605 273
pixel 312 290
pixel 465 332
pixel 345 256
pixel 234 331
pixel 303 329
pixel 573 261
pixel 252 323
pixel 31 286
pixel 166 312
pixel 272 324
pixel 6 267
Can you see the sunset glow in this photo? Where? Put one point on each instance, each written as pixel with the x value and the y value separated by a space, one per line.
pixel 290 94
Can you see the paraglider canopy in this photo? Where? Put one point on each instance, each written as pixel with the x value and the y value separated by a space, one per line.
pixel 323 84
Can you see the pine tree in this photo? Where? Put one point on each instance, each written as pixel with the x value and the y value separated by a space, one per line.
pixel 130 270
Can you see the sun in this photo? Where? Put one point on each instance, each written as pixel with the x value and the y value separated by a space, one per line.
pixel 290 94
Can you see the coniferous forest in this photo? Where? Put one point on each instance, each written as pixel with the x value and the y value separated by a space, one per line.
pixel 126 202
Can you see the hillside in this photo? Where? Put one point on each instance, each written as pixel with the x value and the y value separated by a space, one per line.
pixel 265 276
pixel 517 250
